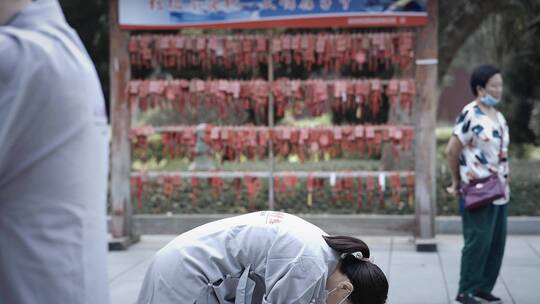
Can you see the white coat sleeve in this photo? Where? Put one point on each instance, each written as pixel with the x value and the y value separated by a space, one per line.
pixel 293 274
pixel 8 58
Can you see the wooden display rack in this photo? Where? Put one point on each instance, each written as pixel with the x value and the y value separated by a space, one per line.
pixel 425 109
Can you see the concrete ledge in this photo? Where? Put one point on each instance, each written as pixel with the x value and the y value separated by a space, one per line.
pixel 516 225
pixel 358 224
pixel 333 224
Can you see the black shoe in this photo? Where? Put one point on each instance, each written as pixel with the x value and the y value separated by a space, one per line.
pixel 487 298
pixel 466 299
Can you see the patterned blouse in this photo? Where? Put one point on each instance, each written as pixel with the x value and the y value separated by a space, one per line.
pixel 481 139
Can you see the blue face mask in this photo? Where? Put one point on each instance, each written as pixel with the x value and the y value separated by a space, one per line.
pixel 490 101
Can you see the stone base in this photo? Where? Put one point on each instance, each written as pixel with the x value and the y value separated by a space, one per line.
pixel 123 243
pixel 426 245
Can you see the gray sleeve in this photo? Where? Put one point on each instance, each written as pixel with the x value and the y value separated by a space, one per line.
pixel 10 50
pixel 293 274
pixel 10 47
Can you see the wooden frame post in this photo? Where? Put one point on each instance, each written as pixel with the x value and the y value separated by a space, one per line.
pixel 271 198
pixel 426 117
pixel 119 73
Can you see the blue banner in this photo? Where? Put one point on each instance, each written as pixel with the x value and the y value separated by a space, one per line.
pixel 170 14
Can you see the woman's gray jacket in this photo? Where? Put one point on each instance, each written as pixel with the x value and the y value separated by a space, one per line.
pixel 261 257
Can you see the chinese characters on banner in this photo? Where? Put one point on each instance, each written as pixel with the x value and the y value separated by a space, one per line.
pixel 173 14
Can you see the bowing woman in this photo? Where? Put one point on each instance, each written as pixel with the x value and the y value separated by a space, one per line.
pixel 263 257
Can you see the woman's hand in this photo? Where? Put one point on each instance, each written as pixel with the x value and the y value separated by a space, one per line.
pixel 453 189
pixel 453 150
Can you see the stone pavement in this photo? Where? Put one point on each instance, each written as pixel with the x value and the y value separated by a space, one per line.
pixel 415 278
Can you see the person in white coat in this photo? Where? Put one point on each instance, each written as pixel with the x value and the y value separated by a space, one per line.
pixel 263 257
pixel 53 161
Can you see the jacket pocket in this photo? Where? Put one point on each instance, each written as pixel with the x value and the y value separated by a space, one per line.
pixel 232 289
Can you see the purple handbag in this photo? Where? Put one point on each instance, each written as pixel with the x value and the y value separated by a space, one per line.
pixel 481 192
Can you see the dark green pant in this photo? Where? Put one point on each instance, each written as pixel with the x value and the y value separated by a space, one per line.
pixel 484 233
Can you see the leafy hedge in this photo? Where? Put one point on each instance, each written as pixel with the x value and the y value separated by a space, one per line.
pixel 525 187
pixel 234 197
pixel 295 199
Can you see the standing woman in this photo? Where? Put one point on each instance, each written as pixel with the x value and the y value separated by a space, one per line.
pixel 263 257
pixel 477 156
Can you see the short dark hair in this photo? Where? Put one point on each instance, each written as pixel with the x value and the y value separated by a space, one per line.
pixel 481 75
pixel 370 283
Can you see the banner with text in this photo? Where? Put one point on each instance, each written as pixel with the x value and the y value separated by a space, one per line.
pixel 175 14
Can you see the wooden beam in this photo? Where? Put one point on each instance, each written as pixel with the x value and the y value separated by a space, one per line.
pixel 425 123
pixel 148 130
pixel 271 159
pixel 265 174
pixel 120 74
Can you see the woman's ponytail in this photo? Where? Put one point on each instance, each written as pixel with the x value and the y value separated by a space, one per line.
pixel 347 245
pixel 370 283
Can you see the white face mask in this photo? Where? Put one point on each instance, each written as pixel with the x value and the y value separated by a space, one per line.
pixel 342 300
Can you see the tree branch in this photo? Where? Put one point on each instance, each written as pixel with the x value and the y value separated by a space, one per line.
pixel 533 24
pixel 458 20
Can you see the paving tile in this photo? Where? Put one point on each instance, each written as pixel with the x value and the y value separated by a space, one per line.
pixel 523 283
pixel 414 277
pixel 132 255
pixel 518 252
pixel 381 259
pixel 534 243
pixel 413 258
pixel 450 254
pixel 135 272
pixel 449 243
pixel 414 284
pixel 116 269
pixel 125 291
pixel 405 243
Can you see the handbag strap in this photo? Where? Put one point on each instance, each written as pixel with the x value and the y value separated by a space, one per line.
pixel 502 138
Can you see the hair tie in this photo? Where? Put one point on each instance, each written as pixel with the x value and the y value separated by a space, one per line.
pixel 357 255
